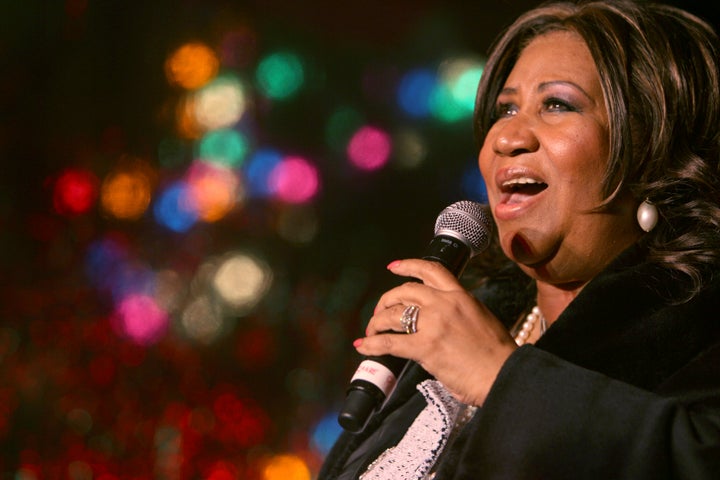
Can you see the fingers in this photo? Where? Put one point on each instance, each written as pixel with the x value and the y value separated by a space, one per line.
pixel 397 345
pixel 398 318
pixel 429 272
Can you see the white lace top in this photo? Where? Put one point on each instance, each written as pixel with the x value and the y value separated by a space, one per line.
pixel 418 451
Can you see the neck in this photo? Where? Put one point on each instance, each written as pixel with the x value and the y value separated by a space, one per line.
pixel 553 300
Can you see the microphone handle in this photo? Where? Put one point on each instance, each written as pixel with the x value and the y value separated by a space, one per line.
pixel 376 377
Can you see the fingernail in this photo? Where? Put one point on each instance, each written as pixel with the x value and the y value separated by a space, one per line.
pixel 393 264
pixel 357 342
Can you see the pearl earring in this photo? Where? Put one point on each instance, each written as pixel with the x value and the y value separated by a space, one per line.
pixel 647 215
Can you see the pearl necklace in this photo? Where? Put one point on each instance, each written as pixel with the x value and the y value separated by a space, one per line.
pixel 528 325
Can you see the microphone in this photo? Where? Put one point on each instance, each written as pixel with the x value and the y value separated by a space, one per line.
pixel 462 230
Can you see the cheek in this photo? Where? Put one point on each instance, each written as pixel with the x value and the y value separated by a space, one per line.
pixel 583 169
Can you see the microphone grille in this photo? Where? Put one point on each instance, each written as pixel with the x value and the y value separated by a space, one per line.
pixel 467 221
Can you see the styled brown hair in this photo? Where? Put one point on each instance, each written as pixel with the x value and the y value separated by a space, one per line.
pixel 660 75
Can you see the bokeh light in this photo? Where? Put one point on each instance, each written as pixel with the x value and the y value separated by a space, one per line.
pixel 104 259
pixel 473 185
pixel 126 192
pixel 186 121
pixel 409 148
pixel 242 280
pixel 174 207
pixel 221 103
pixel 139 319
pixel 75 192
pixel 280 75
pixel 212 191
pixel 286 467
pixel 341 126
pixel 454 97
pixel 202 320
pixel 369 148
pixel 258 171
pixel 192 65
pixel 238 48
pixel 294 180
pixel 298 224
pixel 415 92
pixel 325 432
pixel 241 421
pixel 224 146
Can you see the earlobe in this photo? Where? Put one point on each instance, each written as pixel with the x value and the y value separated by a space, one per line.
pixel 647 216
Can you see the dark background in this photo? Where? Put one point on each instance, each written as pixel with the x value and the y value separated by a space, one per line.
pixel 82 85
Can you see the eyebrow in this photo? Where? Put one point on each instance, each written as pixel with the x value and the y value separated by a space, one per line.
pixel 546 85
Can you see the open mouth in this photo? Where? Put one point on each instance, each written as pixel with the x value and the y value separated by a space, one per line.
pixel 517 189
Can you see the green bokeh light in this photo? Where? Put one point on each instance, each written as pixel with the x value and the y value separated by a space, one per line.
pixel 341 125
pixel 280 75
pixel 224 146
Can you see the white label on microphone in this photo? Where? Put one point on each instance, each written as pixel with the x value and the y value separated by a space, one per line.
pixel 377 374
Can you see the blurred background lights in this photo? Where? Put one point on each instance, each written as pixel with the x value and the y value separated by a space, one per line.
pixel 325 432
pixel 130 277
pixel 416 91
pixel 221 103
pixel 79 420
pixel 242 280
pixel 280 75
pixel 126 194
pixel 473 184
pixel 104 258
pixel 444 106
pixel 239 47
pixel 139 319
pixel 463 76
pixel 286 467
pixel 409 148
pixel 340 127
pixel 212 190
pixel 258 170
pixel 294 180
pixel 454 98
pixel 186 121
pixel 224 146
pixel 201 320
pixel 75 191
pixel 183 302
pixel 169 290
pixel 369 148
pixel 240 421
pixel 298 224
pixel 222 471
pixel 174 208
pixel 191 66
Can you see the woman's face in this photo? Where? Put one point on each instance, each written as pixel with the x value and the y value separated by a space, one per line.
pixel 543 161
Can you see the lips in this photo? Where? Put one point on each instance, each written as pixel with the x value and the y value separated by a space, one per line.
pixel 519 187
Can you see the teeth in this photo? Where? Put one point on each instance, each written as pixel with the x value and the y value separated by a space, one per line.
pixel 520 181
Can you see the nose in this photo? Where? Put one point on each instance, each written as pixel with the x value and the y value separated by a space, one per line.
pixel 515 136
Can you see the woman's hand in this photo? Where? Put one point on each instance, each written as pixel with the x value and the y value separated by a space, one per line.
pixel 458 340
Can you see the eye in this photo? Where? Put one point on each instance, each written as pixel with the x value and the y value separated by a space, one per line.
pixel 504 110
pixel 558 105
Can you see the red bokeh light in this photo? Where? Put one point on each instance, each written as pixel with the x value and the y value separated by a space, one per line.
pixel 75 192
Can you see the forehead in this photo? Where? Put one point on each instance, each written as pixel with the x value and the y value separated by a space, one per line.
pixel 557 55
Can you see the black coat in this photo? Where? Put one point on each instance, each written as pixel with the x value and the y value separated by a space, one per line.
pixel 624 385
